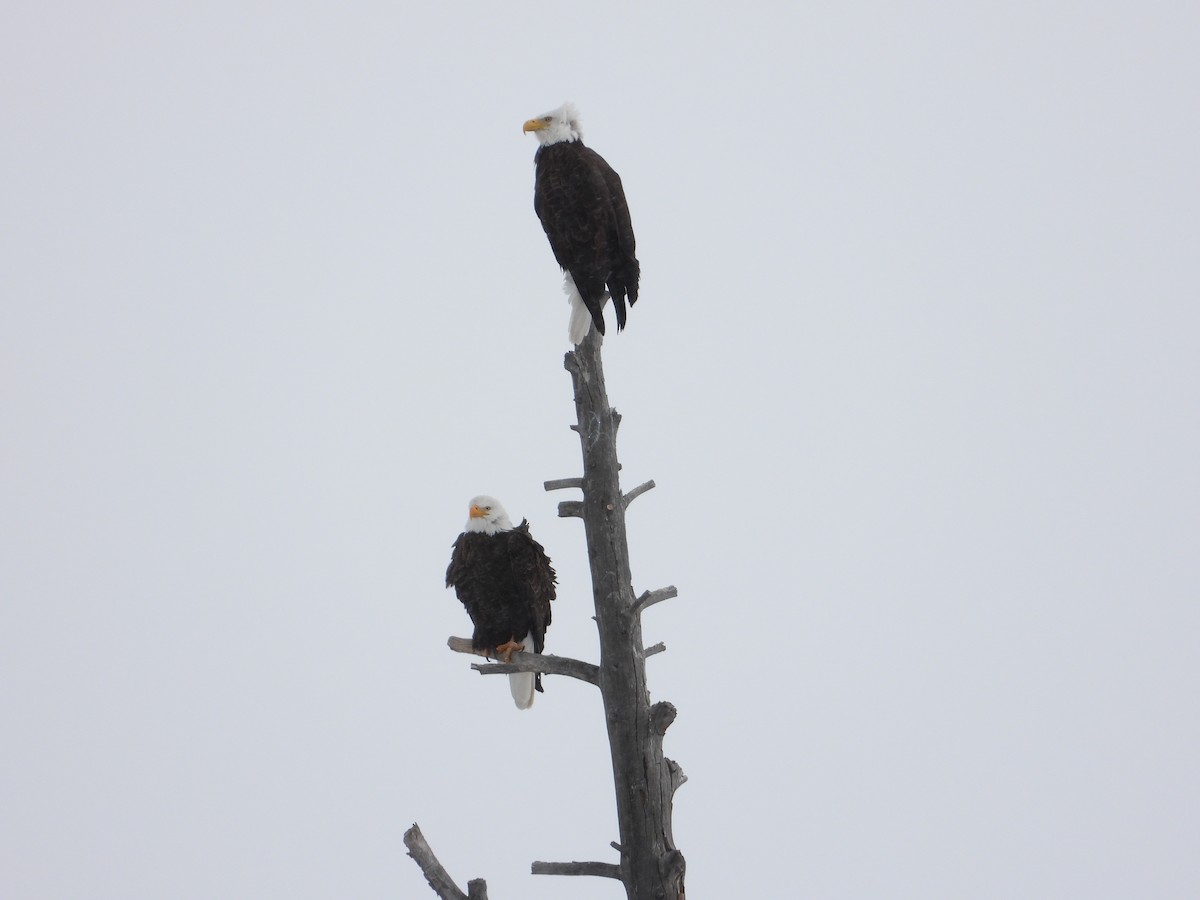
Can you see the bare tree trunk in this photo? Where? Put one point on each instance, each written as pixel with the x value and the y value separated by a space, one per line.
pixel 651 866
pixel 645 781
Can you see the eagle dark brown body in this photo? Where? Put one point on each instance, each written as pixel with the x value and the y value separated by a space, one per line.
pixel 506 582
pixel 581 204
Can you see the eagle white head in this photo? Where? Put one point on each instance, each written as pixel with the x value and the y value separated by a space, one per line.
pixel 558 125
pixel 488 516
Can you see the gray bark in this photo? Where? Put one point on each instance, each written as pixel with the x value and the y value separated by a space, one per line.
pixel 599 869
pixel 644 780
pixel 439 879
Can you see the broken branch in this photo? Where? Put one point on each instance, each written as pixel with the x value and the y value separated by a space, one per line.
pixel 562 483
pixel 649 598
pixel 599 869
pixel 439 879
pixel 637 492
pixel 570 509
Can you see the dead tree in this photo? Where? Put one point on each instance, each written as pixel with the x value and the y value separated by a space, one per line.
pixel 651 867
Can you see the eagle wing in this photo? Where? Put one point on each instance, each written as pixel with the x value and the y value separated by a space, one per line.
pixel 532 571
pixel 622 221
pixel 625 272
pixel 572 200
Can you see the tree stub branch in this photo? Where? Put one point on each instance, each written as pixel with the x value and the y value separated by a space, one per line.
pixel 599 869
pixel 437 876
pixel 569 509
pixel 656 648
pixel 662 714
pixel 649 598
pixel 560 484
pixel 546 663
pixel 637 492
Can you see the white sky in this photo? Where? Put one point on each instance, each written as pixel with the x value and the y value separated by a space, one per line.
pixel 915 368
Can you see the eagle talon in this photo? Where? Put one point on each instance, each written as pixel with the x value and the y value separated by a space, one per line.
pixel 505 651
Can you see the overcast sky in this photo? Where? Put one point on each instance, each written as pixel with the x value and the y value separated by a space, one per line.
pixel 915 367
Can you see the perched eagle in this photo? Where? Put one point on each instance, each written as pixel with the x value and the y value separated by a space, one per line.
pixel 504 579
pixel 582 206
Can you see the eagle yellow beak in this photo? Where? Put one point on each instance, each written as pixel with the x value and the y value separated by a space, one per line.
pixel 533 125
pixel 477 513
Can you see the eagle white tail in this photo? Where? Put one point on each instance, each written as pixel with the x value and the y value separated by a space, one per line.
pixel 521 684
pixel 581 320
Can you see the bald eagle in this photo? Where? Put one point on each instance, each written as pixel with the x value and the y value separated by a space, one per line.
pixel 504 579
pixel 581 204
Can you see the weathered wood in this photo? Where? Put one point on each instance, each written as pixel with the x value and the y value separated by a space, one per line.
pixel 560 484
pixel 651 865
pixel 649 598
pixel 599 869
pixel 662 714
pixel 439 879
pixel 570 509
pixel 547 663
pixel 638 491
